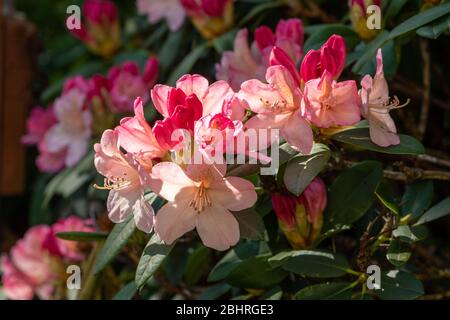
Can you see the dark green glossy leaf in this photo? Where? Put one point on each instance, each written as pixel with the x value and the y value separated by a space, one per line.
pixel 417 198
pixel 316 264
pixel 197 265
pixel 438 211
pixel 302 169
pixel 185 66
pixel 351 194
pixel 251 225
pixel 420 19
pixel 360 137
pixel 326 291
pixel 399 285
pixel 255 273
pixel 399 252
pixel 154 254
pixel 114 243
pixel 82 236
pixel 127 292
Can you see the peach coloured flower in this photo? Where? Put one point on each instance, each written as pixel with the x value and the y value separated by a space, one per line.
pixel 200 197
pixel 136 135
pixel 246 63
pixel 124 177
pixel 376 105
pixel 125 84
pixel 30 268
pixel 73 130
pixel 170 10
pixel 277 106
pixel 327 103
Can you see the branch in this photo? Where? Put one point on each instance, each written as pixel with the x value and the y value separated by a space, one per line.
pixel 426 85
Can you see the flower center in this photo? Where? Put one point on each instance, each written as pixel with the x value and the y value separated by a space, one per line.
pixel 201 199
pixel 275 106
pixel 114 183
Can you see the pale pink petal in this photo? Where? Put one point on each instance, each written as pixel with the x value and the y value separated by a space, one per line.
pixel 215 97
pixel 233 193
pixel 218 228
pixel 143 215
pixel 160 94
pixel 298 133
pixel 382 128
pixel 213 172
pixel 258 96
pixel 193 84
pixel 168 180
pixel 121 202
pixel 175 219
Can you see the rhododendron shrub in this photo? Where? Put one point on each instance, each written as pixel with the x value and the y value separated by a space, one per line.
pixel 239 149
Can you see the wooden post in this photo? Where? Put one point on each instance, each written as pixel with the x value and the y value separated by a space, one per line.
pixel 16 75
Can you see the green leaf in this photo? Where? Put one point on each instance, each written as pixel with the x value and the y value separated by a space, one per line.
pixel 116 240
pixel 384 194
pixel 255 273
pixel 399 285
pixel 409 234
pixel 317 264
pixel 393 9
pixel 224 42
pixel 399 252
pixel 352 194
pixel 326 291
pixel 188 62
pixel 170 49
pixel 301 170
pixel 256 10
pixel 70 180
pixel 232 259
pixel 82 236
pixel 322 33
pixel 153 255
pixel 435 29
pixel 419 20
pixel 127 292
pixel 417 198
pixel 251 225
pixel 214 292
pixel 197 265
pixel 360 137
pixel 39 214
pixel 370 51
pixel 436 212
pixel 275 293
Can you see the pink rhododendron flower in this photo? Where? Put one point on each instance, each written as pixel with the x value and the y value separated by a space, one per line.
pixel 125 84
pixel 50 161
pixel 136 135
pixel 330 57
pixel 101 29
pixel 38 123
pixel 200 197
pixel 170 10
pixel 300 218
pixel 359 17
pixel 376 105
pixel 277 106
pixel 30 268
pixel 64 248
pixel 244 63
pixel 327 103
pixel 211 17
pixel 123 174
pixel 192 98
pixel 73 130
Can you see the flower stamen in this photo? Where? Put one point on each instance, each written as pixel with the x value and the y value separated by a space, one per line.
pixel 201 199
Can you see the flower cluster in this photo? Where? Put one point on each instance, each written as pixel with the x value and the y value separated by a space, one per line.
pixel 201 120
pixel 37 263
pixel 62 132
